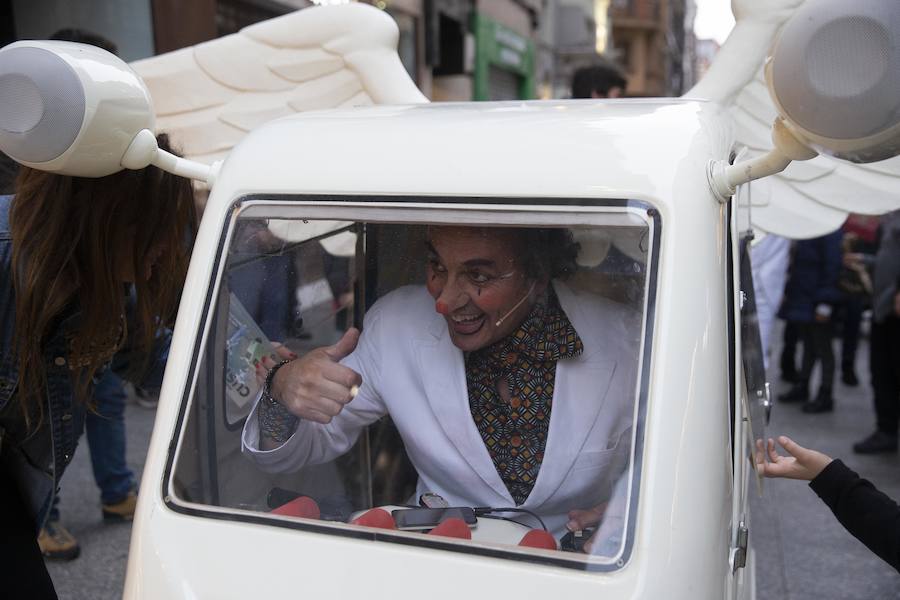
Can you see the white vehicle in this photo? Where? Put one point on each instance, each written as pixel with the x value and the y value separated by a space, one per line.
pixel 658 195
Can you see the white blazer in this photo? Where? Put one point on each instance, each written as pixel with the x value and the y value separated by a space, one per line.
pixel 412 371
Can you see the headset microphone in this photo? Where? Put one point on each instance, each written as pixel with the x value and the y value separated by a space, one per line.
pixel 518 304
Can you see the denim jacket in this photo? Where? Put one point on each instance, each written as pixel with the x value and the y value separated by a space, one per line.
pixel 37 461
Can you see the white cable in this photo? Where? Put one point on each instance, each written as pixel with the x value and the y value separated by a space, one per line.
pixel 518 304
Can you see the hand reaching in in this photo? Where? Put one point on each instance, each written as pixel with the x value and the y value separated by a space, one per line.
pixel 583 518
pixel 802 463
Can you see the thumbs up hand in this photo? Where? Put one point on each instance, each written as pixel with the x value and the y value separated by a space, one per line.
pixel 316 387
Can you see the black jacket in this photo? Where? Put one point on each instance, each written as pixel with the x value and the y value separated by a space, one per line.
pixel 812 277
pixel 872 517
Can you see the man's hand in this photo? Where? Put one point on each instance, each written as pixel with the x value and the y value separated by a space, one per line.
pixel 823 313
pixel 803 463
pixel 317 387
pixel 583 518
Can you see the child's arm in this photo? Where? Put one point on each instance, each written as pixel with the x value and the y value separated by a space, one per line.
pixel 869 515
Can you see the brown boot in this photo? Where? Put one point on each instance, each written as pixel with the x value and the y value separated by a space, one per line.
pixel 121 511
pixel 57 543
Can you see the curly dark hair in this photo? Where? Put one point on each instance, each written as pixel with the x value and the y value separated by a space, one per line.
pixel 549 252
pixel 600 78
pixel 542 252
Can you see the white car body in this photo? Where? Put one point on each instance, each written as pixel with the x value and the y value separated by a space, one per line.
pixel 663 168
pixel 544 159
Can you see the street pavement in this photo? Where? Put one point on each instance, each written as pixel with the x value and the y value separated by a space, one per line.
pixel 802 552
pixel 99 573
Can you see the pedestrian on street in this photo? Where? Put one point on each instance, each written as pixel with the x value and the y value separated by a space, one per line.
pixel 855 283
pixel 104 424
pixel 884 339
pixel 71 248
pixel 809 301
pixel 601 80
pixel 868 514
pixel 769 262
pixel 105 427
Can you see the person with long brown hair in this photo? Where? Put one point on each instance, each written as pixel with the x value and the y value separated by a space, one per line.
pixel 91 273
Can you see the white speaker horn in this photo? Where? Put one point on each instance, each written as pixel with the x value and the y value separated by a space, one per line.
pixel 69 108
pixel 834 76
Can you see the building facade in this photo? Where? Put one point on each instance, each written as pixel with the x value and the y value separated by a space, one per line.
pixel 455 50
pixel 654 41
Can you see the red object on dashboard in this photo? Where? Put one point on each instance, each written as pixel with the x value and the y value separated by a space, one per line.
pixel 538 538
pixel 377 517
pixel 453 527
pixel 304 506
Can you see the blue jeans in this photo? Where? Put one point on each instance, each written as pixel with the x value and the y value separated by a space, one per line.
pixel 105 427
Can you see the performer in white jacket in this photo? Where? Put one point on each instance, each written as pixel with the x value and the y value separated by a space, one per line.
pixel 471 367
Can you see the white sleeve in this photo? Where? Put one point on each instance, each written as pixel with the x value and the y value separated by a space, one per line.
pixel 611 532
pixel 314 443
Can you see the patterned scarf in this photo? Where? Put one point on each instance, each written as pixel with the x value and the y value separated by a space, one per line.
pixel 515 432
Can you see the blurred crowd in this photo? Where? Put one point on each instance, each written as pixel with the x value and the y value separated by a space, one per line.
pixel 831 289
pixel 836 285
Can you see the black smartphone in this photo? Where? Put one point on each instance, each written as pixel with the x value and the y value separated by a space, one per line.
pixel 426 518
pixel 573 541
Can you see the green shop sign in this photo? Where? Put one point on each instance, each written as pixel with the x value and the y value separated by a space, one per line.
pixel 502 48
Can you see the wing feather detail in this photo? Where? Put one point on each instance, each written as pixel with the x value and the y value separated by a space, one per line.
pixel 178 70
pixel 325 92
pixel 207 97
pixel 810 198
pixel 303 65
pixel 801 218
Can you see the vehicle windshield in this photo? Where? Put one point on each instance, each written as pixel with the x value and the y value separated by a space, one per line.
pixel 492 403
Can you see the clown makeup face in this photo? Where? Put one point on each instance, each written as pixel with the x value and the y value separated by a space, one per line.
pixel 478 284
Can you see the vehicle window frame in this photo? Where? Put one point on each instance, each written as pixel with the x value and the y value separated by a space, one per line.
pixel 547 212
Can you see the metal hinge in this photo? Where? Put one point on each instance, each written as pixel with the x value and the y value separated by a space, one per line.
pixel 738 558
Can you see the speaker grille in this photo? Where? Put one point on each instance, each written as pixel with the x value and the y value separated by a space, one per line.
pixel 42 104
pixel 836 72
pixel 22 104
pixel 848 57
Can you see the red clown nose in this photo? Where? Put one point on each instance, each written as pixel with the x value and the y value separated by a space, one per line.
pixel 442 307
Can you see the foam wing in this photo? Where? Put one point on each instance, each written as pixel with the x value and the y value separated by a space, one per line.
pixel 208 96
pixel 810 198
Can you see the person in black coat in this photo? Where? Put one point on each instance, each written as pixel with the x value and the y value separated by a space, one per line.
pixel 868 514
pixel 810 297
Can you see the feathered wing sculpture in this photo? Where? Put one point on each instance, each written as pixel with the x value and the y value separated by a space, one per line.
pixel 207 97
pixel 810 198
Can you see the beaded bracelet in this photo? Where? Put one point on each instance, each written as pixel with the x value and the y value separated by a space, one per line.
pixel 275 421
